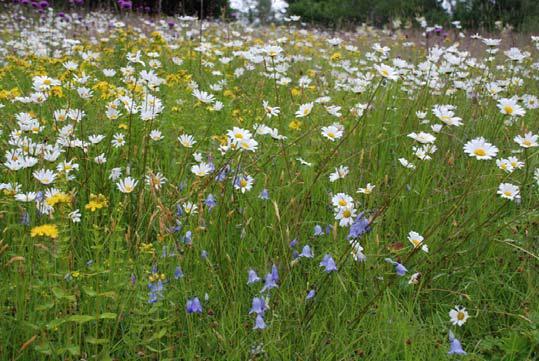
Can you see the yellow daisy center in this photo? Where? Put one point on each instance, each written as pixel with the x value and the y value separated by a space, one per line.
pixel 480 152
pixel 508 109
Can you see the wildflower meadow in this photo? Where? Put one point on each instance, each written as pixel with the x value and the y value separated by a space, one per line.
pixel 182 189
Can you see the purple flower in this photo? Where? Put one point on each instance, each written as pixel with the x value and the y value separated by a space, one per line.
pixel 306 252
pixel 328 263
pixel 187 239
pixel 293 243
pixel 126 5
pixel 179 210
pixel 252 277
pixel 193 306
pixel 210 201
pixel 269 283
pixel 178 273
pixel 318 231
pixel 274 273
pixel 259 306
pixel 455 346
pixel 259 323
pixel 156 291
pixel 204 254
pixel 310 294
pixel 264 194
pixel 359 227
pixel 221 176
pixel 400 270
pixel 25 218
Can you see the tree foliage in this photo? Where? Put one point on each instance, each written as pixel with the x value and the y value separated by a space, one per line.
pixel 475 14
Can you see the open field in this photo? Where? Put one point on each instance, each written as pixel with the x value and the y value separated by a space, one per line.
pixel 213 191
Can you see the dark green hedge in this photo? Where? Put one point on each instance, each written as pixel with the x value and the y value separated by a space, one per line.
pixel 474 14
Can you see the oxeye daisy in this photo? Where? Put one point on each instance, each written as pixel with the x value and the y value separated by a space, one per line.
pixel 45 176
pixel 155 181
pixel 201 170
pixel 127 185
pixel 406 164
pixel 340 173
pixel 510 107
pixel 458 316
pixel 341 200
pixel 243 183
pixel 422 137
pixel 528 140
pixel 203 96
pixel 156 135
pixel 446 114
pixel 386 71
pixel 270 111
pixel 509 191
pixel 304 110
pixel 480 149
pixel 332 133
pixel 187 140
pixel 346 216
pixel 367 190
pixel 417 241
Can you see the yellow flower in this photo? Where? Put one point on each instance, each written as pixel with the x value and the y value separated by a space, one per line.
pixel 58 198
pixel 96 202
pixel 146 248
pixel 295 92
pixel 229 93
pixel 48 230
pixel 295 124
pixel 57 91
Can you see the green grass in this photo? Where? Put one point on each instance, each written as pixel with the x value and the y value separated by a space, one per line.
pixel 84 294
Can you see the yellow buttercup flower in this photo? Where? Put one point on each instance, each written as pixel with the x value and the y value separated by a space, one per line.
pixel 295 124
pixel 47 230
pixel 96 202
pixel 58 198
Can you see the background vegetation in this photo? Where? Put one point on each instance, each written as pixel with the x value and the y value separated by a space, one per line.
pixel 523 15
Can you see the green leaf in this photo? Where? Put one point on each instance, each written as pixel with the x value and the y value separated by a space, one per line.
pixel 109 294
pixel 44 349
pixel 45 306
pixel 108 316
pixel 74 350
pixel 60 294
pixel 89 291
pixel 55 323
pixel 81 318
pixel 158 335
pixel 96 341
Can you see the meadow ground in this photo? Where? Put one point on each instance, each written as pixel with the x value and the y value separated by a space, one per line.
pixel 187 191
